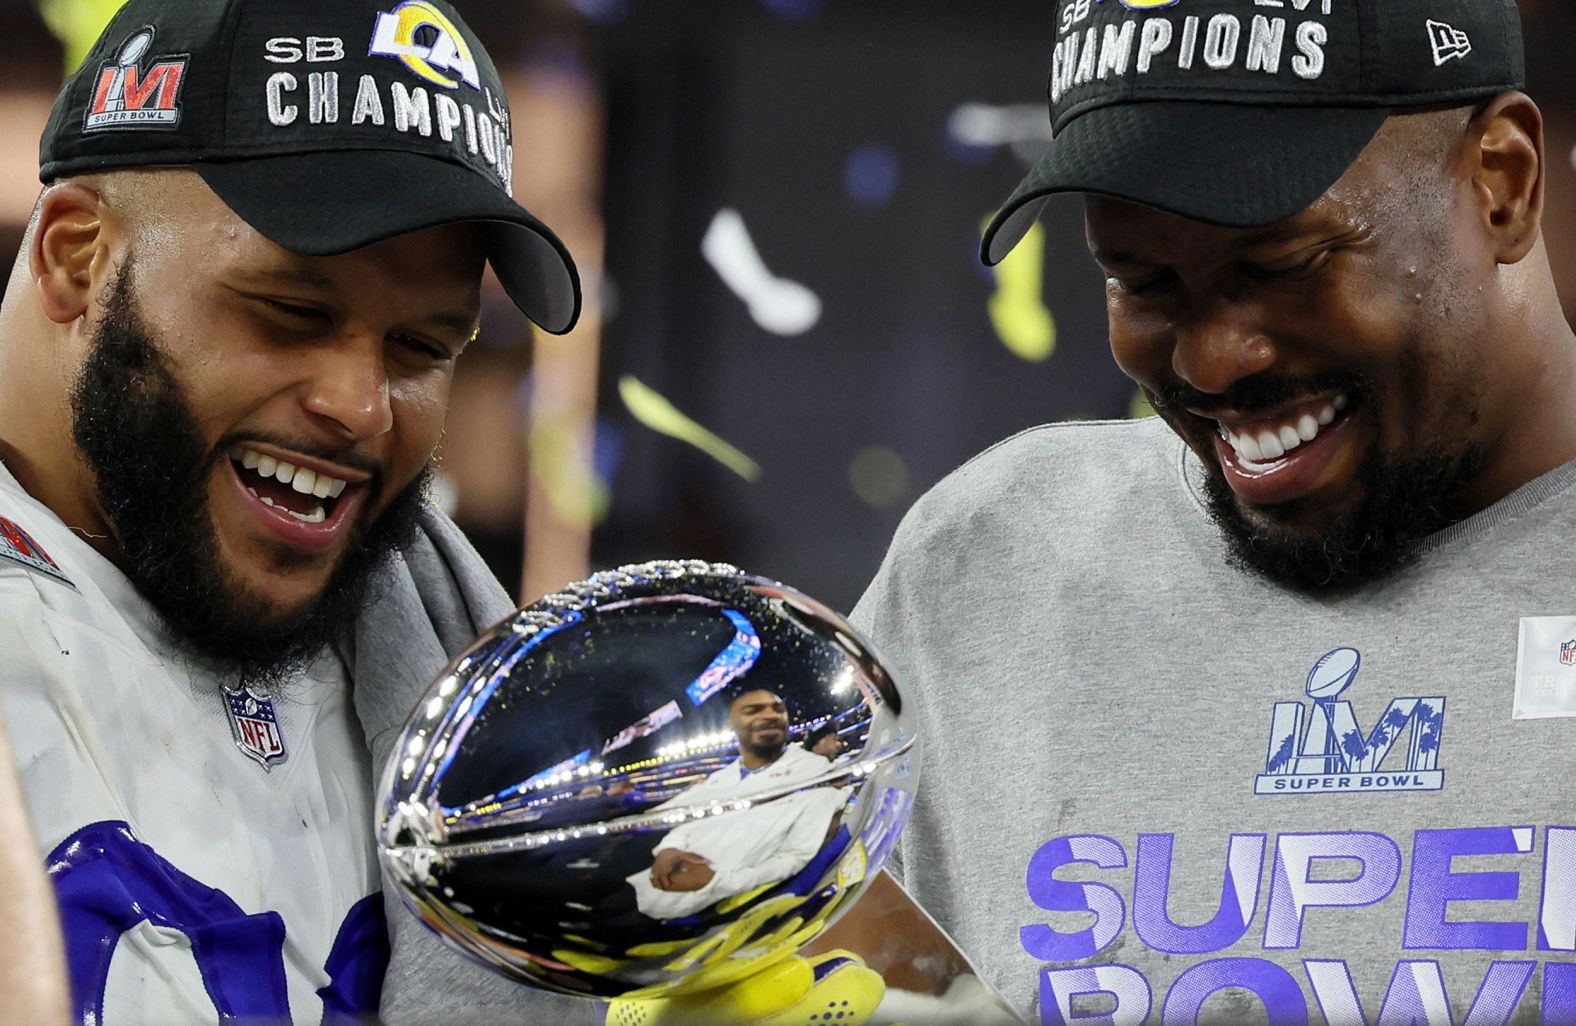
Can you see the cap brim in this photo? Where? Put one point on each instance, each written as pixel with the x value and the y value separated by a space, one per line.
pixel 1227 164
pixel 321 204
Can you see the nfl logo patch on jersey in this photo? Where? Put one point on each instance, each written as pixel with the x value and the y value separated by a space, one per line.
pixel 1568 652
pixel 255 727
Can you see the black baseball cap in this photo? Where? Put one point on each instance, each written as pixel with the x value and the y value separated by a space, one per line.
pixel 1243 112
pixel 327 125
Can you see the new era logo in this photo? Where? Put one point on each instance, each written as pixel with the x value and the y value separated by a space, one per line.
pixel 1448 42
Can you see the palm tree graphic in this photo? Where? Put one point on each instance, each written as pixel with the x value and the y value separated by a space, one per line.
pixel 1283 755
pixel 1355 748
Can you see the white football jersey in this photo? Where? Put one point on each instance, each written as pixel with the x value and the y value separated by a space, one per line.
pixel 213 858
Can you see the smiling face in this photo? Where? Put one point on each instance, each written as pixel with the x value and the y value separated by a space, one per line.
pixel 1343 375
pixel 253 423
pixel 760 721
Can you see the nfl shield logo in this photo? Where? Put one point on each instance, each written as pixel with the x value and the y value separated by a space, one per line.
pixel 254 726
pixel 1568 652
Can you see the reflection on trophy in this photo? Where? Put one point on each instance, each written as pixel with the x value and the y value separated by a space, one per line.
pixel 626 792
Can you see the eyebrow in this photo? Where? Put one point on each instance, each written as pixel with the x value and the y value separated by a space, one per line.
pixel 298 276
pixel 1266 235
pixel 462 322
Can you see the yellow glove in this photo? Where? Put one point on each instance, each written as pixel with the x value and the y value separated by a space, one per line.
pixel 832 988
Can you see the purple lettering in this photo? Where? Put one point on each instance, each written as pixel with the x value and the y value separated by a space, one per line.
pixel 1276 989
pixel 1416 995
pixel 1059 988
pixel 1239 896
pixel 1559 993
pixel 1557 912
pixel 1293 890
pixel 1434 886
pixel 1051 945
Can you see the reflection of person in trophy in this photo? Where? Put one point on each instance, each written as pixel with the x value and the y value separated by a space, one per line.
pixel 716 857
pixel 823 740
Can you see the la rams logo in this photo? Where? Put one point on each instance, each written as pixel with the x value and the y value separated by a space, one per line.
pixel 426 42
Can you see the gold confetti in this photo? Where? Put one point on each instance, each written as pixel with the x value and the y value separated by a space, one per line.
pixel 1017 308
pixel 77 24
pixel 656 412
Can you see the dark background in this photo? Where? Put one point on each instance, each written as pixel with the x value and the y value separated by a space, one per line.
pixel 825 124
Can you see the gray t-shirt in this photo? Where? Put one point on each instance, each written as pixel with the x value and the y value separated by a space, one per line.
pixel 1156 788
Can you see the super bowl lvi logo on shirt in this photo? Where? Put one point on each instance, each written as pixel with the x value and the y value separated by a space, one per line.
pixel 1320 747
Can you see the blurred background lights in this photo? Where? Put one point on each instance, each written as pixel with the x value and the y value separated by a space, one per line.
pixel 871 175
pixel 793 10
pixel 879 476
pixel 1024 127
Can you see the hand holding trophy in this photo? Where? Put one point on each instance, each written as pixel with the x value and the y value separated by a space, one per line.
pixel 610 795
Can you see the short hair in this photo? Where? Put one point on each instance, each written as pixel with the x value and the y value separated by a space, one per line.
pixel 815 736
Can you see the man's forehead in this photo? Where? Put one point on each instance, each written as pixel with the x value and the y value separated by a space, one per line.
pixel 760 696
pixel 1119 231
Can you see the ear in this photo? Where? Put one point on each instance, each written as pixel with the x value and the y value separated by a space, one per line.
pixel 69 256
pixel 1505 158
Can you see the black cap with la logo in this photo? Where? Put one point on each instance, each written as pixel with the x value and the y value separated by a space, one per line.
pixel 327 125
pixel 1243 112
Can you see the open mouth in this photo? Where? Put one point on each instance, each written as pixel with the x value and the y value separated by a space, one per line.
pixel 1283 455
pixel 306 495
pixel 1261 444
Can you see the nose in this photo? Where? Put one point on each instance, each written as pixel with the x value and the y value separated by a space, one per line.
pixel 1218 346
pixel 347 389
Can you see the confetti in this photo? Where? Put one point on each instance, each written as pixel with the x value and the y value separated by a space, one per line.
pixel 656 412
pixel 1017 308
pixel 777 305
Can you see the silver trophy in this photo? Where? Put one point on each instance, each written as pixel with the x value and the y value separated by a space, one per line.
pixel 659 788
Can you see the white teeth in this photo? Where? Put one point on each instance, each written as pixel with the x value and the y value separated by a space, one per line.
pixel 266 500
pixel 307 482
pixel 1274 442
pixel 317 515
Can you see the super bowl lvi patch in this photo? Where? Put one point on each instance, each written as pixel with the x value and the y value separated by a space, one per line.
pixel 1545 668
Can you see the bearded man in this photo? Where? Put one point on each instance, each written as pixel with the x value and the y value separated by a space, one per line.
pixel 226 349
pixel 1273 687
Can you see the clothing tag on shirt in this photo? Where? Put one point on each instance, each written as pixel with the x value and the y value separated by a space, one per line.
pixel 19 547
pixel 1545 668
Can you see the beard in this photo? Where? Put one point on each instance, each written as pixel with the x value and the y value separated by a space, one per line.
pixel 1404 501
pixel 136 430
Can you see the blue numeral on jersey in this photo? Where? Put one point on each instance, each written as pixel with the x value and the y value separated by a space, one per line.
pixel 106 881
